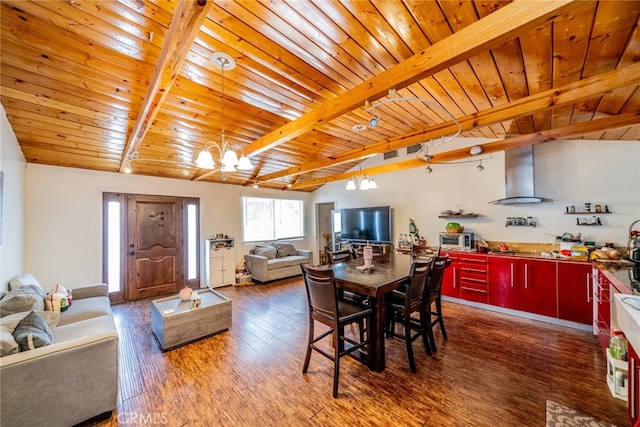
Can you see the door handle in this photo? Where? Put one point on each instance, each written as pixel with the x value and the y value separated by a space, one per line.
pixel 512 275
pixel 632 384
pixel 132 253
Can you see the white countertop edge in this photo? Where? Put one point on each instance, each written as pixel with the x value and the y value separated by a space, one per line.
pixel 627 319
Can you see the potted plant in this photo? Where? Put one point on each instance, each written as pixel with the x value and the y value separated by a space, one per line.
pixel 327 240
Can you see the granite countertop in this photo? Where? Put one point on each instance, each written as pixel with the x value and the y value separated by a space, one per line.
pixel 623 272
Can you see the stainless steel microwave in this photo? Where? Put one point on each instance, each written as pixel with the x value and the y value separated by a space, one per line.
pixel 459 241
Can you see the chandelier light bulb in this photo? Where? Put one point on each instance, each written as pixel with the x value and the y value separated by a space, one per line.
pixel 228 168
pixel 351 185
pixel 244 164
pixel 205 160
pixel 372 184
pixel 230 158
pixel 364 185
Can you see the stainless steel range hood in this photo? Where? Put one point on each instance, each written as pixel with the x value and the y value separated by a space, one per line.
pixel 519 178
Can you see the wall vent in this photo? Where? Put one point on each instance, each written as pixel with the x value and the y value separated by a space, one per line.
pixel 414 148
pixel 390 154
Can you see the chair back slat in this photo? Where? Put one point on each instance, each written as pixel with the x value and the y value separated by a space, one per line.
pixel 417 281
pixel 437 273
pixel 321 290
pixel 339 256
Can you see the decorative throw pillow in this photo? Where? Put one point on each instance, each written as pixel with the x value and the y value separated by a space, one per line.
pixel 266 251
pixel 24 279
pixel 10 322
pixel 8 344
pixel 23 298
pixel 59 299
pixel 287 249
pixel 32 332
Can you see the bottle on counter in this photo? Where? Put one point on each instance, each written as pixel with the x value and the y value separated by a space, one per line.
pixel 618 345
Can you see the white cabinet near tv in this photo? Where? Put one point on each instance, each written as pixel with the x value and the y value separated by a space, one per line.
pixel 220 262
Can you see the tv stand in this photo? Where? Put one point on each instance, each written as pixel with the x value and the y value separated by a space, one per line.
pixel 379 248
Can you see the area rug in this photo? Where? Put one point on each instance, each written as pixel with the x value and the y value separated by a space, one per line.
pixel 561 416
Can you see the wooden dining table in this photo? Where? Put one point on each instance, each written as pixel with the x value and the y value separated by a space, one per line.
pixel 387 274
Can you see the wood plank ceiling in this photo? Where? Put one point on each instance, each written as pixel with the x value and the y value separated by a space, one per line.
pixel 110 85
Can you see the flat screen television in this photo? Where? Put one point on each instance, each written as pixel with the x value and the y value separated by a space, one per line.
pixel 371 224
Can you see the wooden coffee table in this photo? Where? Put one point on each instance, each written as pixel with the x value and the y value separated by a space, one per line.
pixel 174 322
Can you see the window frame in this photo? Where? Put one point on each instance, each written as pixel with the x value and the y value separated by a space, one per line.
pixel 274 228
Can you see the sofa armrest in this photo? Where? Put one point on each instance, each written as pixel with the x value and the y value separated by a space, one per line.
pixel 257 264
pixel 90 290
pixel 307 254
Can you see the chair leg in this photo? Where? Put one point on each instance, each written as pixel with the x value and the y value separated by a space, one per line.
pixel 389 323
pixel 432 339
pixel 424 324
pixel 407 338
pixel 440 319
pixel 307 357
pixel 336 368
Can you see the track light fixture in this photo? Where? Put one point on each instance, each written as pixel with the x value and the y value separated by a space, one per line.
pixel 428 170
pixel 375 119
pixel 480 167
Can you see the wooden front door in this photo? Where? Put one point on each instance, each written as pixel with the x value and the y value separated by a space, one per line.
pixel 155 245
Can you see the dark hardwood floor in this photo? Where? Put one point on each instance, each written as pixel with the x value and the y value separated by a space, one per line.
pixel 495 370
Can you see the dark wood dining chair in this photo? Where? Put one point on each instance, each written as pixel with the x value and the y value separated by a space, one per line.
pixel 326 308
pixel 400 306
pixel 432 309
pixel 339 256
pixel 346 255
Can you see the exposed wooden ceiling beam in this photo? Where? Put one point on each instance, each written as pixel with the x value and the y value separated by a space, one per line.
pixel 570 131
pixel 496 28
pixel 185 25
pixel 568 94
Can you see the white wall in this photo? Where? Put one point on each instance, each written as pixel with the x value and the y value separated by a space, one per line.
pixel 63 214
pixel 12 164
pixel 569 172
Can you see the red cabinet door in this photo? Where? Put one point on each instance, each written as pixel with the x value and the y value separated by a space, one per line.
pixel 523 284
pixel 502 289
pixel 575 292
pixel 537 284
pixel 450 280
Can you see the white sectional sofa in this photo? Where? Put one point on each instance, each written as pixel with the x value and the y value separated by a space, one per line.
pixel 71 380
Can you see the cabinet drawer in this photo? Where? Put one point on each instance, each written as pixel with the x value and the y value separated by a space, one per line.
pixel 473 259
pixel 479 279
pixel 479 270
pixel 473 291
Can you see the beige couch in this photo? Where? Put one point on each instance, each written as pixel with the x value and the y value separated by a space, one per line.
pixel 276 260
pixel 74 378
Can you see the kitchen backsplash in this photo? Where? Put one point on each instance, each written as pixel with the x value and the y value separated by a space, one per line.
pixel 533 248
